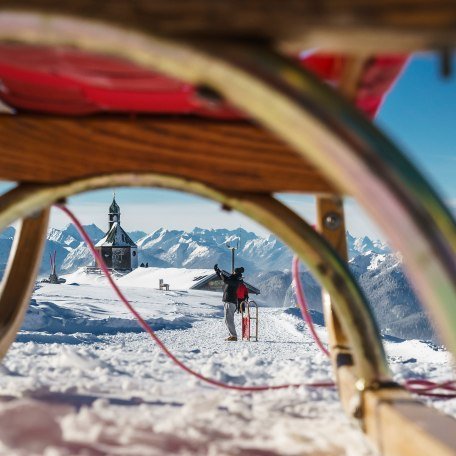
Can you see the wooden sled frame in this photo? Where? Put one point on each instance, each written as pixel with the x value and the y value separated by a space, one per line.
pixel 346 149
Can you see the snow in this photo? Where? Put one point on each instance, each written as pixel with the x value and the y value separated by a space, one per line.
pixel 177 278
pixel 82 378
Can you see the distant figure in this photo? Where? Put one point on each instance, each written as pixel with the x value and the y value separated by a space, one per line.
pixel 230 298
pixel 141 265
pixel 147 264
pixel 242 295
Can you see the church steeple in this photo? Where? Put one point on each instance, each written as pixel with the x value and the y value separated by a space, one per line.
pixel 118 250
pixel 114 212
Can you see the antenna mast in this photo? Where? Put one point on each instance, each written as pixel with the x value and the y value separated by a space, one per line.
pixel 232 248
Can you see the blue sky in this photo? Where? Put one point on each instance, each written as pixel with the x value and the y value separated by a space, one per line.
pixel 419 114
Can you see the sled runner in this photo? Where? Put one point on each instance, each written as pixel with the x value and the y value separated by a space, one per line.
pixel 217 98
pixel 246 319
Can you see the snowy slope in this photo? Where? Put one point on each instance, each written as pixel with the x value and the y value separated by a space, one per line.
pixel 82 379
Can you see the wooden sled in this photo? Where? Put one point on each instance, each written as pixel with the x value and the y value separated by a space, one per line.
pixel 295 134
pixel 246 321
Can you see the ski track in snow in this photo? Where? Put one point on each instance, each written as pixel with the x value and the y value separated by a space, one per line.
pixel 81 379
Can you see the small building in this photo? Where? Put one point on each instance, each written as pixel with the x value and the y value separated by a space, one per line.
pixel 212 282
pixel 117 249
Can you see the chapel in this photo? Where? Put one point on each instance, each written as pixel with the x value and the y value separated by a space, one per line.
pixel 117 249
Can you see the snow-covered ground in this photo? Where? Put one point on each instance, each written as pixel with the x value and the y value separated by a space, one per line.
pixel 82 379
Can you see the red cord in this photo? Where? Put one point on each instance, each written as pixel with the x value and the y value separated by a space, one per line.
pixel 425 388
pixel 417 386
pixel 157 340
pixel 303 305
pixel 422 387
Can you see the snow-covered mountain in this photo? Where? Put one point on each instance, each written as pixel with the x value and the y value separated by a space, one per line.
pixel 71 252
pixel 363 245
pixel 199 248
pixel 392 300
pixel 136 235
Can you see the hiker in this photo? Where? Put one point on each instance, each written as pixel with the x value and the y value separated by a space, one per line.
pixel 242 296
pixel 231 284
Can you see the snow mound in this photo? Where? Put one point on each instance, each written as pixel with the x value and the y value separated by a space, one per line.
pixel 177 278
pixel 80 277
pixel 53 318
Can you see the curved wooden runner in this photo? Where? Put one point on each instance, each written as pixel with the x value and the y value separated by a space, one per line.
pixel 19 278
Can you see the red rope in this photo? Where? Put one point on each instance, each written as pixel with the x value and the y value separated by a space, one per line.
pixel 426 387
pixel 418 386
pixel 156 339
pixel 422 387
pixel 303 305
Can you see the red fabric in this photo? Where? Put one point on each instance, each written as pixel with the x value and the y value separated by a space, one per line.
pixel 71 82
pixel 377 78
pixel 246 327
pixel 326 66
pixel 242 291
pixel 66 81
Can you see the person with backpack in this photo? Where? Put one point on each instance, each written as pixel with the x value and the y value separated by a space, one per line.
pixel 231 283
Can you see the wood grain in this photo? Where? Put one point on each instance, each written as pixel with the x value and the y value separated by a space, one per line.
pixel 225 155
pixel 339 345
pixel 400 425
pixel 411 23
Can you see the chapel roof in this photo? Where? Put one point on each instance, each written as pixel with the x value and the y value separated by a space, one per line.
pixel 116 237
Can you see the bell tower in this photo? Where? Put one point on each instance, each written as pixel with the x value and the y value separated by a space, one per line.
pixel 114 212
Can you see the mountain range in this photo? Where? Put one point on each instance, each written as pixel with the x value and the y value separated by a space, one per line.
pixel 267 262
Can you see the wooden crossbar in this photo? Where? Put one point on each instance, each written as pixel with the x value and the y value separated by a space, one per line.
pixel 224 155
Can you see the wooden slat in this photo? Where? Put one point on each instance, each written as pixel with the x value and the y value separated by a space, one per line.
pixel 225 155
pixel 400 425
pixel 339 347
pixel 411 24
